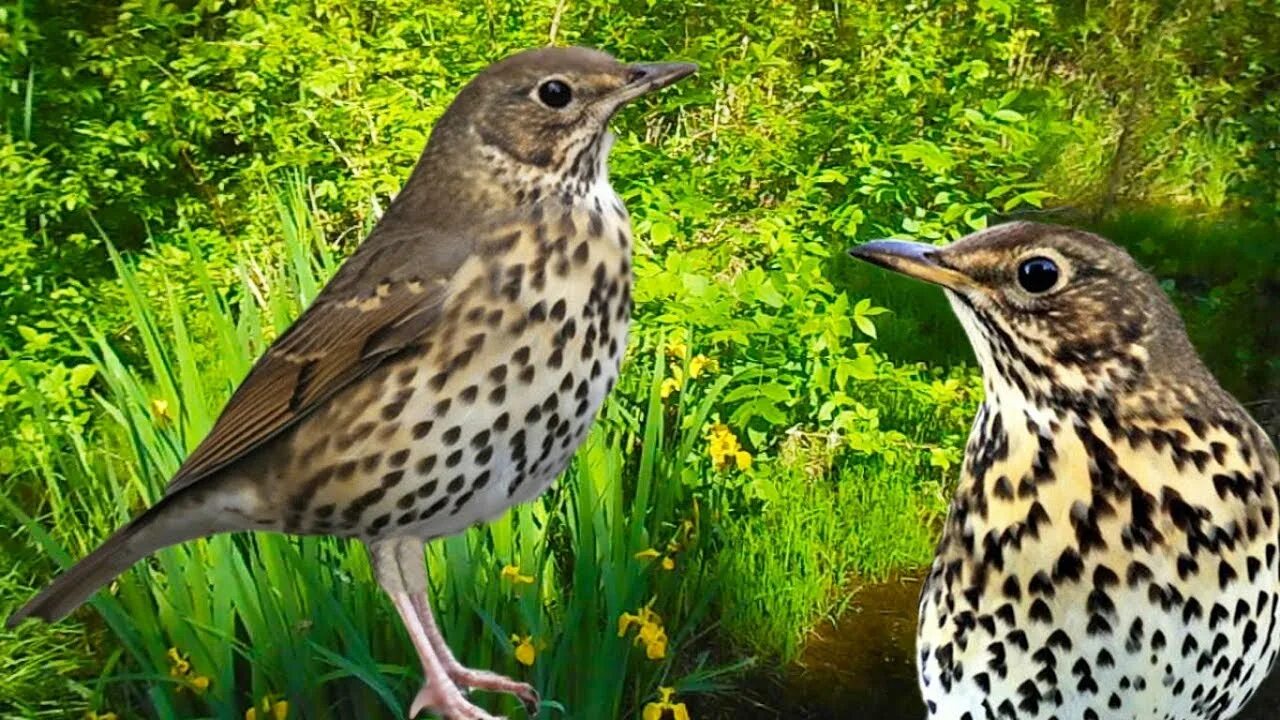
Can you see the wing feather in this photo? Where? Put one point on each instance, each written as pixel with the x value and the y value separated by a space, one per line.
pixel 374 308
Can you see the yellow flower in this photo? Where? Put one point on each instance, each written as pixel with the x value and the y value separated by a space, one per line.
pixel 668 563
pixel 160 411
pixel 700 363
pixel 654 638
pixel 647 554
pixel 673 383
pixel 650 632
pixel 724 449
pixel 626 620
pixel 278 710
pixel 655 710
pixel 677 348
pixel 179 666
pixel 512 574
pixel 525 651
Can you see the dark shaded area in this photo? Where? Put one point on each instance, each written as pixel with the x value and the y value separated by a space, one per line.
pixel 861 667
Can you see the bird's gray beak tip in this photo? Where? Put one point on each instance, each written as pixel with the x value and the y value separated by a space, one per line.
pixel 917 260
pixel 879 251
pixel 648 77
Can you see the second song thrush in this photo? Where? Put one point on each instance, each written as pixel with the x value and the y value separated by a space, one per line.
pixel 1111 549
pixel 450 368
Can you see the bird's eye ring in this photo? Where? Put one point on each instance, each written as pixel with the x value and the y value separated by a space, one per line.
pixel 1038 275
pixel 555 94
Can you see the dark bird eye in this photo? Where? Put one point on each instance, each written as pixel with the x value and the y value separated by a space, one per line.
pixel 1037 275
pixel 554 94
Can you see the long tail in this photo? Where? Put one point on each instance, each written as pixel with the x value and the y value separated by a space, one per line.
pixel 173 520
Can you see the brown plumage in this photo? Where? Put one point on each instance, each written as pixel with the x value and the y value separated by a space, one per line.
pixel 447 371
pixel 1111 548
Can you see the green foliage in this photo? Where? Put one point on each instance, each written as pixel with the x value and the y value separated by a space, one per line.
pixel 177 178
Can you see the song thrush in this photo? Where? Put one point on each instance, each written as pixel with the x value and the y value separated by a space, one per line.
pixel 449 369
pixel 1110 551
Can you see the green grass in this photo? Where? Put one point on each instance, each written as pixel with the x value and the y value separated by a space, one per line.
pixel 791 565
pixel 34 665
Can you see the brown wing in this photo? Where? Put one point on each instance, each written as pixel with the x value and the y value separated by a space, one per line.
pixel 386 298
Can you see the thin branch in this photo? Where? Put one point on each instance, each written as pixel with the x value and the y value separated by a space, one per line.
pixel 555 21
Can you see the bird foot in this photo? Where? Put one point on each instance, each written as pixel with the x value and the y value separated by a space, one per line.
pixel 493 682
pixel 447 701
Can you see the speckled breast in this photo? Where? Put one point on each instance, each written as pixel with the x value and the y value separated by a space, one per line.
pixel 490 412
pixel 1096 570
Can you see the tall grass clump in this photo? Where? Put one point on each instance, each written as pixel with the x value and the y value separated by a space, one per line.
pixel 828 518
pixel 216 626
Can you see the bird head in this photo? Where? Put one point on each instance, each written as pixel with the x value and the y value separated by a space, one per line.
pixel 537 122
pixel 1055 315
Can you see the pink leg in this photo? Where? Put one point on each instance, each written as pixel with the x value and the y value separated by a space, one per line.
pixel 438 694
pixel 410 562
pixel 464 676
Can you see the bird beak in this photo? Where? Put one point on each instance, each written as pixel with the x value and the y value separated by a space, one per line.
pixel 913 259
pixel 645 78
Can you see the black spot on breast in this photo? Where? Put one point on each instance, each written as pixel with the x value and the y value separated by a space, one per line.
pixel 436 507
pixel 421 429
pixel 425 465
pixel 1040 612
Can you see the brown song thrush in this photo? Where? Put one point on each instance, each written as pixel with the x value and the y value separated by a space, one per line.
pixel 449 369
pixel 1110 551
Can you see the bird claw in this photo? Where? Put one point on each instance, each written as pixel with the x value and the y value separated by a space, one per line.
pixel 447 702
pixel 532 702
pixel 530 699
pixel 468 679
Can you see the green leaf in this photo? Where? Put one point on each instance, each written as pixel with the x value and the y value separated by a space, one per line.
pixel 863 368
pixel 865 325
pixel 903 81
pixel 81 375
pixel 939 458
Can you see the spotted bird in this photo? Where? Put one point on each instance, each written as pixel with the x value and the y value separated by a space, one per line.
pixel 450 368
pixel 1110 550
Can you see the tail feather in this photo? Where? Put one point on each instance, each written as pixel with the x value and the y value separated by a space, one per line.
pixel 166 523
